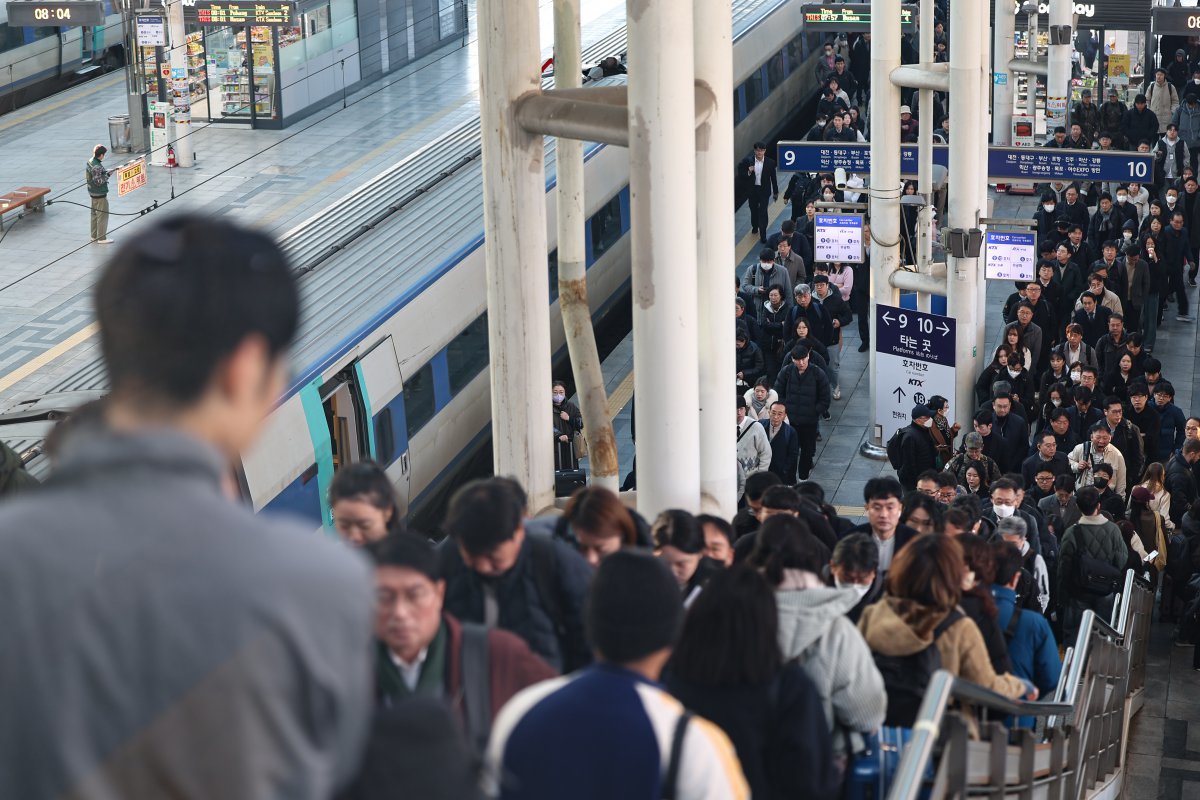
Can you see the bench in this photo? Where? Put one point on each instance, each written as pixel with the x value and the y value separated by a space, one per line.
pixel 32 198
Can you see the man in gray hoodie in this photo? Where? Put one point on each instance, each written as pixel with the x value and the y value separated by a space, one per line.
pixel 160 639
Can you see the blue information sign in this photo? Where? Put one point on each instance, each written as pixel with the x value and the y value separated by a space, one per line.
pixel 914 360
pixel 837 238
pixel 1004 163
pixel 1009 256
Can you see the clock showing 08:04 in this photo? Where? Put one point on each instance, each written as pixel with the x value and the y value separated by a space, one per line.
pixel 56 13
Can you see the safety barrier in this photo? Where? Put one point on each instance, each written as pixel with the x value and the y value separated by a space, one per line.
pixel 1081 749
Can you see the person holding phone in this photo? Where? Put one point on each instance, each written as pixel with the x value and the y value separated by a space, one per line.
pixel 97 185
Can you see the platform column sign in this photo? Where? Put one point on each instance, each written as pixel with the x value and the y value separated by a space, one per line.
pixel 1009 256
pixel 914 360
pixel 838 238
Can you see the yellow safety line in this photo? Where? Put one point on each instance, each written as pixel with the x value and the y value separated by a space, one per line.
pixel 620 396
pixel 31 366
pixel 37 110
pixel 750 241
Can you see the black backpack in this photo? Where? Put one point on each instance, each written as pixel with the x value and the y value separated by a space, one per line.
pixel 907 677
pixel 895 454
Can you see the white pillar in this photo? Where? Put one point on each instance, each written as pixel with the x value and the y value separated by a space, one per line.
pixel 1032 83
pixel 514 214
pixel 1058 80
pixel 965 190
pixel 662 166
pixel 924 152
pixel 884 200
pixel 1003 51
pixel 178 41
pixel 572 263
pixel 715 257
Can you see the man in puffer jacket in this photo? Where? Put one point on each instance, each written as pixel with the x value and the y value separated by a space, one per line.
pixel 1092 536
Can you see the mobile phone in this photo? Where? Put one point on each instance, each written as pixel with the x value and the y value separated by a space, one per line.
pixel 1153 554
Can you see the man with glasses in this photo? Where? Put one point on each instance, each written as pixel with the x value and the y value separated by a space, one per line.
pixel 1046 457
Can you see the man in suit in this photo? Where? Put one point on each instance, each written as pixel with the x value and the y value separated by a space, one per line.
pixel 785 444
pixel 759 173
pixel 1092 318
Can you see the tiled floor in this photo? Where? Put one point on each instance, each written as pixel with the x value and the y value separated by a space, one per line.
pixel 1164 738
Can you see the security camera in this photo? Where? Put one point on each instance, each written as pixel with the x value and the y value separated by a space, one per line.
pixel 839 178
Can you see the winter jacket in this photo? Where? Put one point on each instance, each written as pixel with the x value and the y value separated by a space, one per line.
pixel 752 409
pixel 780 736
pixel 820 326
pixel 993 638
pixel 836 308
pixel 1171 423
pixel 753 448
pixel 1164 148
pixel 806 394
pixel 1087 115
pixel 1140 126
pixel 1111 115
pixel 1180 483
pixel 814 630
pixel 763 277
pixel 1013 432
pixel 1187 119
pixel 918 454
pixel 902 627
pixel 96 177
pixel 958 468
pixel 523 609
pixel 1094 536
pixel 1032 648
pixel 785 450
pixel 750 362
pixel 1162 100
pixel 1084 453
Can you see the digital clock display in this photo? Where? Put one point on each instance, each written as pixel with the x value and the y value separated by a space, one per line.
pixel 55 13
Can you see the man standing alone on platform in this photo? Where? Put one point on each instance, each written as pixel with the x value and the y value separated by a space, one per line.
pixel 97 186
pixel 759 173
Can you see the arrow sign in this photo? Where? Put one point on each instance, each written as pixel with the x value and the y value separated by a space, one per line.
pixel 945 329
pixel 886 318
pixel 899 394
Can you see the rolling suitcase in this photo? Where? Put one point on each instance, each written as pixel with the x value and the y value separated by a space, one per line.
pixel 567 475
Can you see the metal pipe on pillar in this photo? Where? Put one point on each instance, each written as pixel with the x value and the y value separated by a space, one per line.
pixel 177 36
pixel 514 212
pixel 715 252
pixel 662 167
pixel 1003 89
pixel 965 189
pixel 884 196
pixel 1031 86
pixel 572 263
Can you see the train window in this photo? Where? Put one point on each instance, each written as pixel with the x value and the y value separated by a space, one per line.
pixel 385 441
pixel 44 33
pixel 10 37
pixel 754 91
pixel 738 114
pixel 553 270
pixel 467 354
pixel 418 399
pixel 606 227
pixel 775 72
pixel 792 51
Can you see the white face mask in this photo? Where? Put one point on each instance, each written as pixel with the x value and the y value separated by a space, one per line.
pixel 1122 199
pixel 558 398
pixel 1048 207
pixel 1056 403
pixel 859 590
pixel 1075 376
pixel 1171 199
pixel 1014 372
pixel 928 423
pixel 1128 235
pixel 820 123
pixel 1002 511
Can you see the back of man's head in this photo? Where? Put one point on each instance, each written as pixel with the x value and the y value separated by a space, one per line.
pixel 781 498
pixel 1088 500
pixel 759 482
pixel 183 298
pixel 484 514
pixel 1008 561
pixel 634 608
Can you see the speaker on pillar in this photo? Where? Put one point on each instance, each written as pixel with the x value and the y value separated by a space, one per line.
pixel 1060 34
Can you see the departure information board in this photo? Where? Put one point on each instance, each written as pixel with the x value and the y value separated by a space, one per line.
pixel 851 17
pixel 262 12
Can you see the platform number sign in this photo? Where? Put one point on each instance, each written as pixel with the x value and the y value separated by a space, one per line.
pixel 1009 256
pixel 914 360
pixel 838 238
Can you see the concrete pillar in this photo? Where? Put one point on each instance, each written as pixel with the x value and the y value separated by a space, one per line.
pixel 922 245
pixel 662 166
pixel 572 263
pixel 1003 51
pixel 884 199
pixel 1031 37
pixel 514 213
pixel 715 257
pixel 1058 80
pixel 177 37
pixel 966 187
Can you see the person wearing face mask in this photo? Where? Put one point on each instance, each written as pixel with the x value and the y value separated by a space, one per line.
pixel 568 421
pixel 1046 215
pixel 1004 494
pixel 817 132
pixel 1125 209
pixel 826 64
pixel 917 446
pixel 855 566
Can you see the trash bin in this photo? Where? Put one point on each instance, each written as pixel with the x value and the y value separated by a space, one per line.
pixel 119 133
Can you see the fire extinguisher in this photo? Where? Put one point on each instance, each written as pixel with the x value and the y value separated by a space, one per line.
pixel 170 156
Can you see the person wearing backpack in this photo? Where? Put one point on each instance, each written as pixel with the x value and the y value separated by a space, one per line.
pixel 917 629
pixel 1091 561
pixel 916 450
pixel 1031 646
pixel 501 577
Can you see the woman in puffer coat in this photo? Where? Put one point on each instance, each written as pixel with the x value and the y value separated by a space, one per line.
pixel 814 629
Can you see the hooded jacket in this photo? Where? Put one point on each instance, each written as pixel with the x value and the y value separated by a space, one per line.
pixel 814 629
pixel 1162 100
pixel 1187 118
pixel 900 627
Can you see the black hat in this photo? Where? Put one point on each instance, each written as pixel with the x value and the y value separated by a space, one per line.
pixel 1086 93
pixel 1062 222
pixel 634 607
pixel 1141 98
pixel 920 411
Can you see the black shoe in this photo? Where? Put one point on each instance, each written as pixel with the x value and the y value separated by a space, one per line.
pixel 825 416
pixel 754 230
pixel 1191 280
pixel 864 347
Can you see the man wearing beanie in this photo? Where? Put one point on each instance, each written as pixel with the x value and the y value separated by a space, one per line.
pixel 917 447
pixel 609 730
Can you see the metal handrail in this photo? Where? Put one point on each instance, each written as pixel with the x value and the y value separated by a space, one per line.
pixel 1103 654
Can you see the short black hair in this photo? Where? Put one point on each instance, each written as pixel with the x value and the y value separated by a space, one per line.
pixel 781 497
pixel 856 552
pixel 408 551
pixel 679 529
pixel 883 488
pixel 720 523
pixel 785 542
pixel 369 481
pixel 1088 499
pixel 1008 561
pixel 1003 483
pixel 485 513
pixel 759 482
pixel 184 294
pixel 985 417
pixel 1164 387
pixel 1064 483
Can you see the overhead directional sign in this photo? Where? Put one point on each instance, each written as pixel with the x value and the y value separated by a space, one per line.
pixel 838 238
pixel 914 360
pixel 851 17
pixel 1005 164
pixel 1009 256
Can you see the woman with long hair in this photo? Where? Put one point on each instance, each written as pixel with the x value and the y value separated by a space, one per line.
pixel 679 541
pixel 1154 479
pixel 363 504
pixel 598 524
pixel 991 373
pixel 977 600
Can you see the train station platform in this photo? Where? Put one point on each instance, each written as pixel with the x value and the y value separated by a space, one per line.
pixel 271 179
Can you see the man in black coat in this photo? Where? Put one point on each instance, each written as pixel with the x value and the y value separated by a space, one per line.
pixel 1012 431
pixel 785 443
pixel 1092 318
pixel 1046 456
pixel 762 185
pixel 1140 124
pixel 1179 481
pixel 806 394
pixel 917 447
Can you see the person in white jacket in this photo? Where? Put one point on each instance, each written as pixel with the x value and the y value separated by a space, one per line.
pixel 759 399
pixel 1098 449
pixel 753 446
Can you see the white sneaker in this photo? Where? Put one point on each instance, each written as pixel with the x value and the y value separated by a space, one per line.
pixel 837 393
pixel 104 241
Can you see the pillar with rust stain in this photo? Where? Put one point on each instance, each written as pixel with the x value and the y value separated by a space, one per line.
pixel 662 169
pixel 514 213
pixel 715 255
pixel 572 263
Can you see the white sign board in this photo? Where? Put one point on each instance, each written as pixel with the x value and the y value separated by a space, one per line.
pixel 914 360
pixel 838 238
pixel 1009 256
pixel 151 31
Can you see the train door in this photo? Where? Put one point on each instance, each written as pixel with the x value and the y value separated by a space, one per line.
pixel 382 391
pixel 88 47
pixel 71 50
pixel 341 400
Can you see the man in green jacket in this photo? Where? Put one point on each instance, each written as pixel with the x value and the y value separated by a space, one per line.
pixel 1093 536
pixel 97 185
